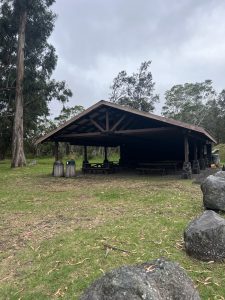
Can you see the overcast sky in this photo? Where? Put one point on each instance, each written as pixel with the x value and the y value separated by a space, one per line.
pixel 96 39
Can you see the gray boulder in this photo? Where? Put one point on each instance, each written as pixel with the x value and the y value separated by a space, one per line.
pixel 220 174
pixel 204 238
pixel 156 280
pixel 213 189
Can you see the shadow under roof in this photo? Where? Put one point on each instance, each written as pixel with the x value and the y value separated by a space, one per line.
pixel 109 124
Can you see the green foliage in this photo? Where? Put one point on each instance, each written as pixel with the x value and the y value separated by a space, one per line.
pixel 45 125
pixel 221 148
pixel 198 104
pixel 136 91
pixel 189 102
pixel 67 113
pixel 40 61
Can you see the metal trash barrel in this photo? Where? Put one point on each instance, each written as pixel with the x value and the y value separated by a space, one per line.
pixel 58 169
pixel 70 168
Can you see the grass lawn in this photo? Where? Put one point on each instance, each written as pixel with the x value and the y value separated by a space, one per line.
pixel 54 230
pixel 221 148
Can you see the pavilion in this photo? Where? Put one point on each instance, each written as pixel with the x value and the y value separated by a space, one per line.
pixel 144 139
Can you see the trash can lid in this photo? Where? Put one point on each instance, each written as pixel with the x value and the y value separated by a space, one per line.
pixel 58 162
pixel 70 162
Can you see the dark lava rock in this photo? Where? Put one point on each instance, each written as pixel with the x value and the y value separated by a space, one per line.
pixel 156 280
pixel 213 189
pixel 204 237
pixel 186 171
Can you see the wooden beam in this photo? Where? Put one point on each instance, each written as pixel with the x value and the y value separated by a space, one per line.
pixel 106 154
pixel 201 151
pixel 85 154
pixel 144 130
pixel 80 135
pixel 56 151
pixel 186 149
pixel 209 153
pixel 126 124
pixel 97 125
pixel 110 133
pixel 118 123
pixel 195 137
pixel 195 152
pixel 107 120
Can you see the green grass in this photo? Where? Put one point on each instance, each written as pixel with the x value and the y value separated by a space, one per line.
pixel 221 147
pixel 53 230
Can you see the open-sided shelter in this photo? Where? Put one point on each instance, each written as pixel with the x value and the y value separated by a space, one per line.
pixel 142 137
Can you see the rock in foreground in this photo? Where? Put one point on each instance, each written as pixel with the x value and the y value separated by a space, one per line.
pixel 213 189
pixel 204 237
pixel 220 174
pixel 157 280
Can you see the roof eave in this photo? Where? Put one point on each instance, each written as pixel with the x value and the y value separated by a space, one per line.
pixel 129 110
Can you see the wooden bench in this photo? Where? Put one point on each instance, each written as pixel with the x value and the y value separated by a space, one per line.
pixel 97 170
pixel 104 168
pixel 165 165
pixel 146 170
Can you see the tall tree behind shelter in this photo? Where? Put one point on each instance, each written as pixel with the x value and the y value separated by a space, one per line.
pixel 189 102
pixel 197 104
pixel 37 88
pixel 18 156
pixel 136 90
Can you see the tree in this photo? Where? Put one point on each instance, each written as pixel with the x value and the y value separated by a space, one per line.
pixel 67 113
pixel 46 125
pixel 198 104
pixel 220 116
pixel 39 60
pixel 189 102
pixel 136 91
pixel 18 156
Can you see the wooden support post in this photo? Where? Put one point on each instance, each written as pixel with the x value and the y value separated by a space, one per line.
pixel 186 149
pixel 120 151
pixel 195 152
pixel 85 154
pixel 106 154
pixel 187 171
pixel 195 166
pixel 201 152
pixel 56 151
pixel 209 154
pixel 107 120
pixel 201 160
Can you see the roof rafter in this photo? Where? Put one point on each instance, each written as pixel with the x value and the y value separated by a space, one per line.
pixel 112 106
pixel 119 132
pixel 118 122
pixel 145 130
pixel 97 125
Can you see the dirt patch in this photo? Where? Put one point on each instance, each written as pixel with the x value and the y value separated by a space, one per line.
pixel 14 238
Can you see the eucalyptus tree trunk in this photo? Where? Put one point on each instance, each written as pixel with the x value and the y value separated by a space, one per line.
pixel 18 157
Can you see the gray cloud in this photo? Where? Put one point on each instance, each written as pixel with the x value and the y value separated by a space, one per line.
pixel 95 39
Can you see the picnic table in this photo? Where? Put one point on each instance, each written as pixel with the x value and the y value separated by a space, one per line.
pixel 161 167
pixel 100 167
